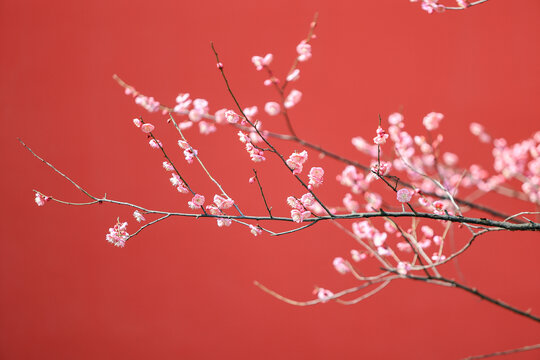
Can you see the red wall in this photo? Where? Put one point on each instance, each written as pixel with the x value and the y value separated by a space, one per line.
pixel 184 288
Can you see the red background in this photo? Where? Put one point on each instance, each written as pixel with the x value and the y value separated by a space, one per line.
pixel 183 289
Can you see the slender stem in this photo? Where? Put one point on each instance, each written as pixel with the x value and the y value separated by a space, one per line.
pixel 462 8
pixel 262 193
pixel 506 352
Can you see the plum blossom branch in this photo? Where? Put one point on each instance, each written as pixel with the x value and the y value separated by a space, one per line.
pixel 531 226
pixel 261 135
pixel 195 154
pixel 165 109
pixel 322 299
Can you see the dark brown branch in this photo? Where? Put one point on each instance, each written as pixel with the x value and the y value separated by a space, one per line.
pixel 475 292
pixel 262 193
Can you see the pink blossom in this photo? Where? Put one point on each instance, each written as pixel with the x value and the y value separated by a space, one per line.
pixel 324 295
pixel 432 120
pixel 404 195
pixel 255 230
pixel 396 119
pixel 201 104
pixel 138 216
pixel 341 265
pixel 299 216
pixel 149 103
pixel 379 238
pixel 220 116
pixel 316 176
pixel 213 210
pixel 351 205
pixel 219 65
pixel 168 166
pixel 223 203
pixel 224 222
pixel 381 136
pixel 294 203
pixel 423 201
pixel 182 97
pixel 195 115
pixel 476 128
pixel 175 180
pixel 353 179
pixel 425 243
pixel 380 168
pixel 272 108
pixel 363 229
pixel 427 231
pixel 196 201
pixel 404 246
pixel 190 154
pixel 185 125
pixel 292 99
pixel 389 227
pixel 374 201
pixel 296 160
pixel 382 251
pixel 438 207
pixel 137 122
pixel 463 3
pixel 117 234
pixel 304 51
pixel 450 159
pixel 435 257
pixel 147 128
pixel 357 255
pixel 431 5
pixel 243 137
pixel 255 154
pixel 403 268
pixel 155 144
pixel 362 145
pixel 307 199
pixel 40 199
pixel 231 116
pixel 260 62
pixel 206 128
pixel 437 240
pixel 293 76
pixel 182 188
pixel 251 111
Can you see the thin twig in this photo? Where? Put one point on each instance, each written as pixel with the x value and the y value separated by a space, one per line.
pixel 506 352
pixel 262 193
pixel 462 8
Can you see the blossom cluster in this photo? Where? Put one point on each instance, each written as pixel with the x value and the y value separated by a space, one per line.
pixel 117 234
pixel 433 5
